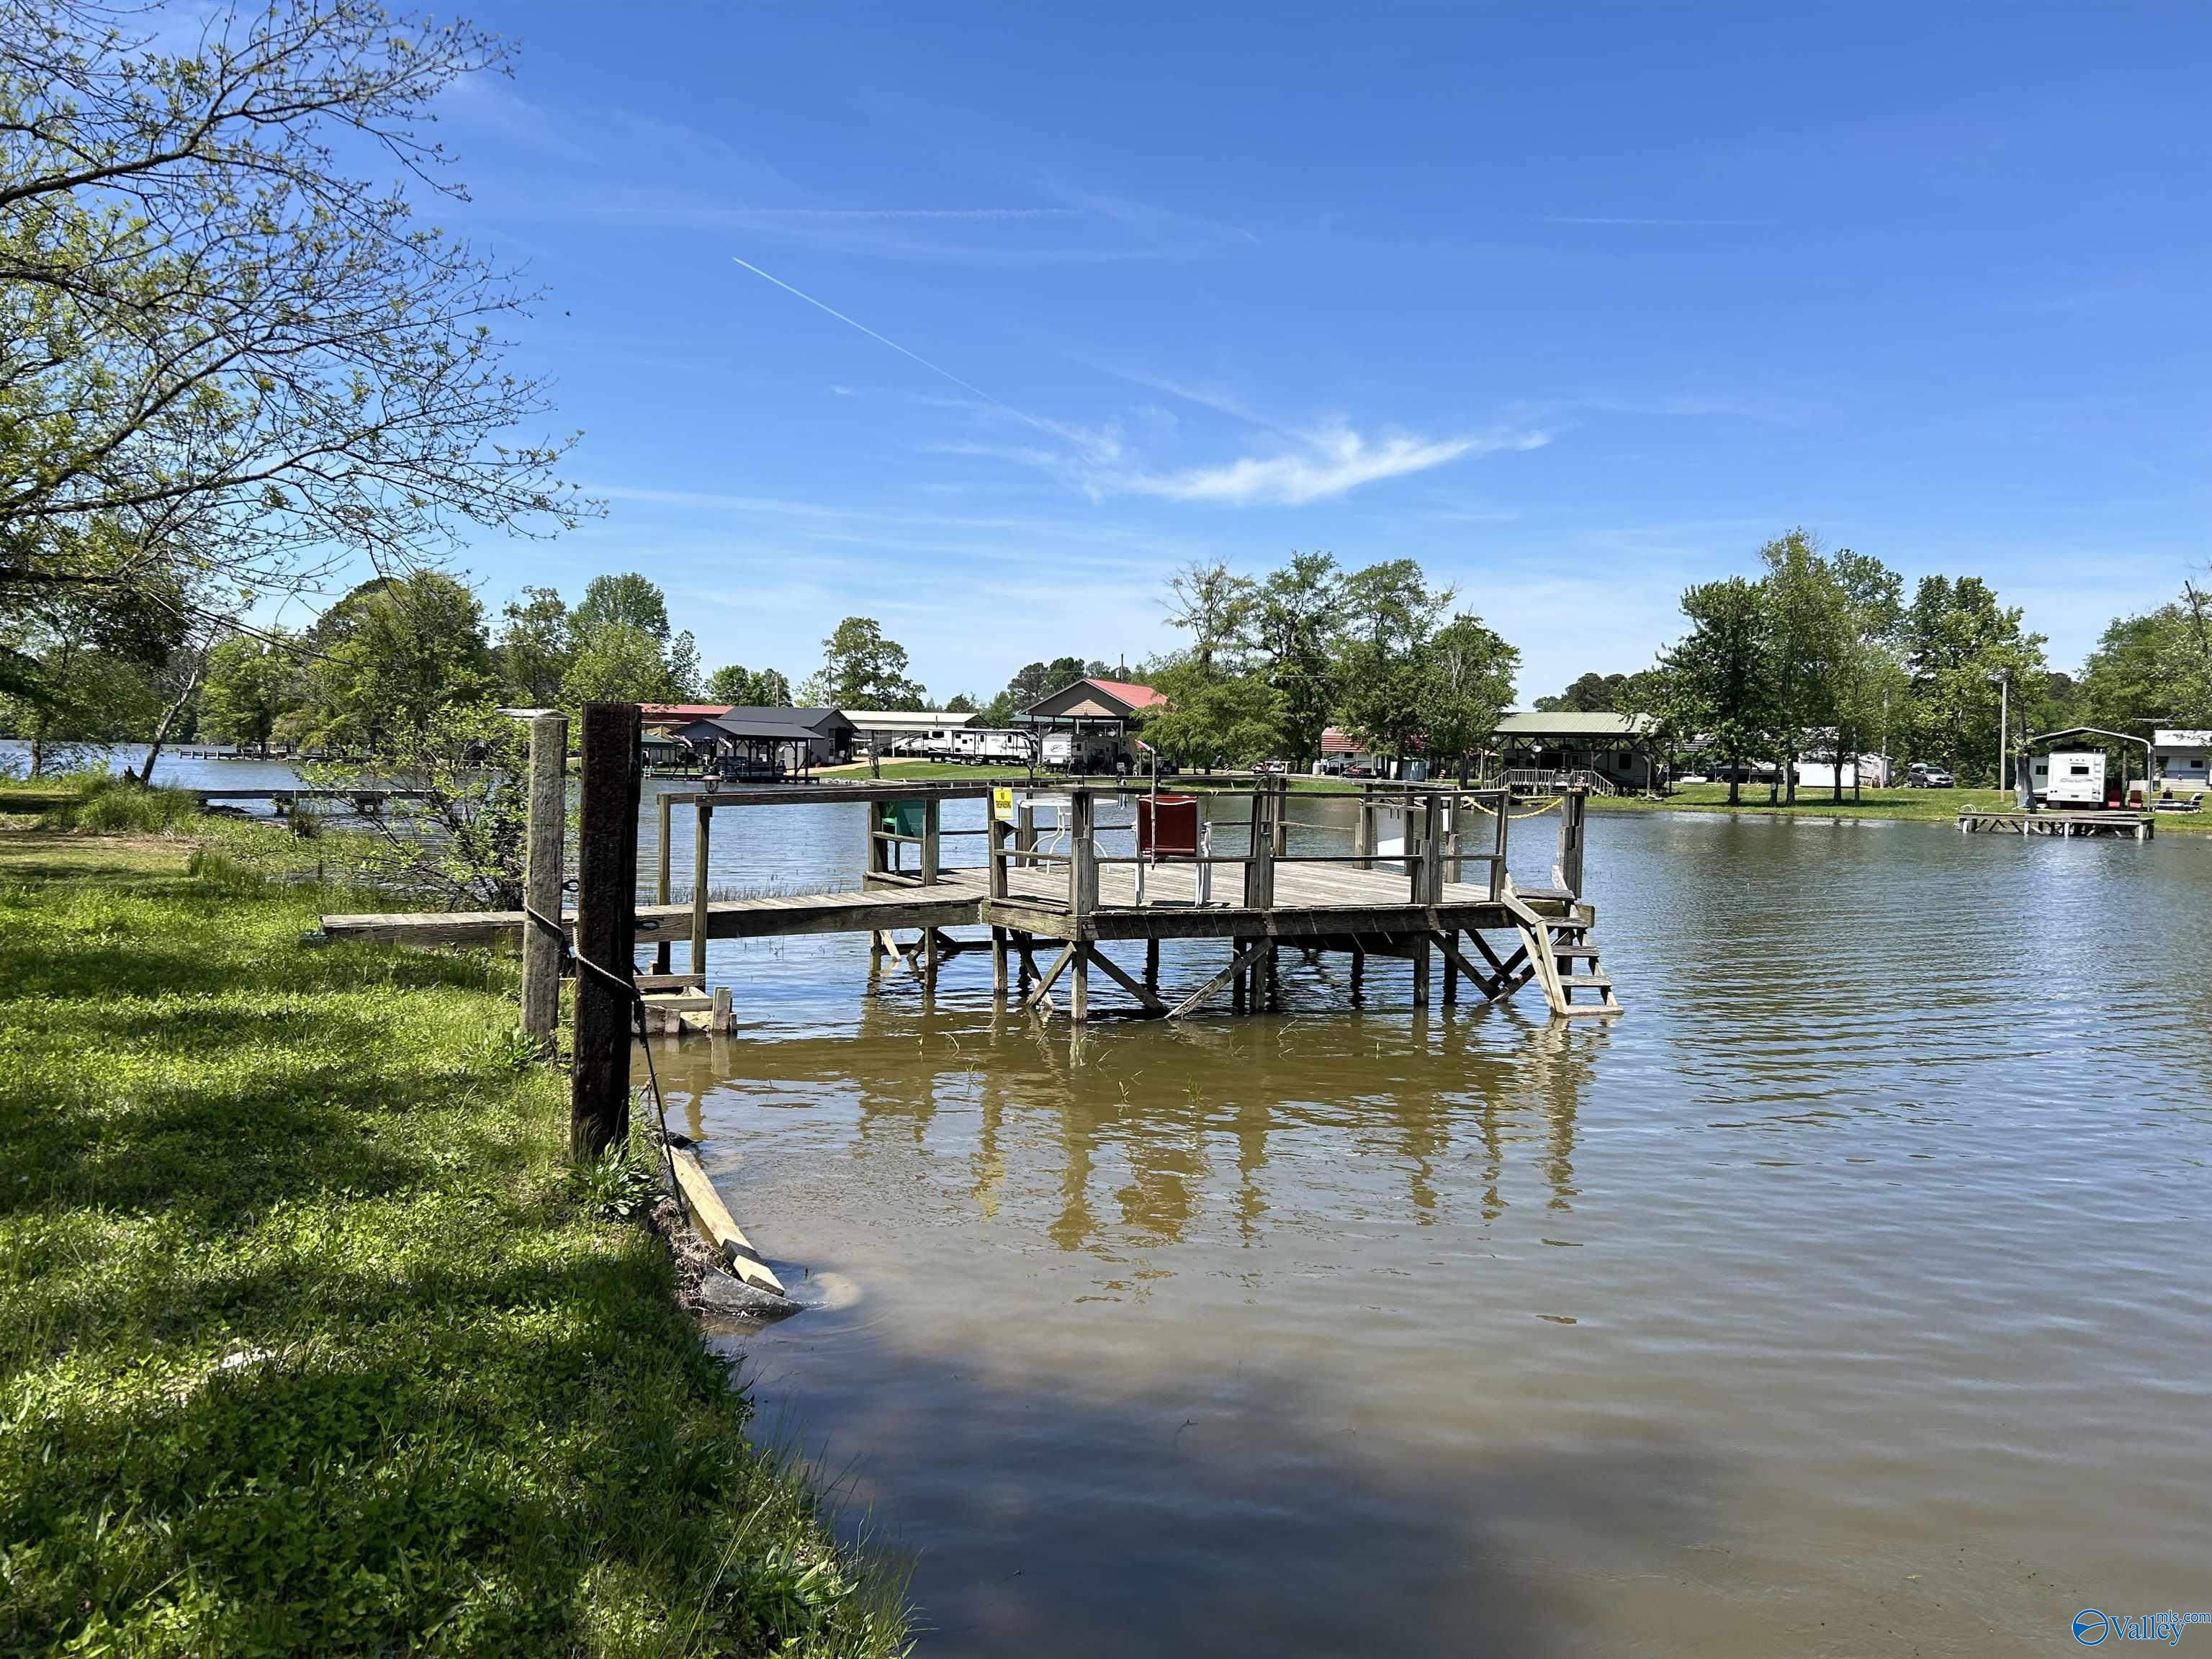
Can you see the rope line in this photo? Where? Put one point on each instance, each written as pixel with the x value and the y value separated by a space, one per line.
pixel 568 953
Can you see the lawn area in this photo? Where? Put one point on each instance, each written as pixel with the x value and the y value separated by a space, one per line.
pixel 309 1340
pixel 1925 805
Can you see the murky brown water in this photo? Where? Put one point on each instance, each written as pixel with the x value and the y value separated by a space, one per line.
pixel 1848 1296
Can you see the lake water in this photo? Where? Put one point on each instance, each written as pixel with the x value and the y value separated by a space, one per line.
pixel 1848 1296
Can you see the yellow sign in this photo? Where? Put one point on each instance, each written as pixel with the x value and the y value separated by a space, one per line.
pixel 1002 805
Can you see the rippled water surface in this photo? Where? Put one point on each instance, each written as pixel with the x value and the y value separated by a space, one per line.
pixel 1848 1296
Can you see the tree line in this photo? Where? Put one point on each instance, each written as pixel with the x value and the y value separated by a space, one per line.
pixel 1273 660
pixel 1821 656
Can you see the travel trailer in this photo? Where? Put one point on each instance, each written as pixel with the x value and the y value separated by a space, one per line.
pixel 2069 777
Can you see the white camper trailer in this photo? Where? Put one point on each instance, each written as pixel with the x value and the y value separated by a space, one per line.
pixel 2070 777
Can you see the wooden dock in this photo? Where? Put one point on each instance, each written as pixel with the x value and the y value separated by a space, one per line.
pixel 1070 901
pixel 2111 825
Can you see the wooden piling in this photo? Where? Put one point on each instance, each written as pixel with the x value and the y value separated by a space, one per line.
pixel 606 927
pixel 661 959
pixel 541 884
pixel 701 836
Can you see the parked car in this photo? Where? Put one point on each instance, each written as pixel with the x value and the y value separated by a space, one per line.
pixel 1270 769
pixel 1927 777
pixel 1358 769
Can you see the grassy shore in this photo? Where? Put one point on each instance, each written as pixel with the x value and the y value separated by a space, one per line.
pixel 1914 805
pixel 309 1340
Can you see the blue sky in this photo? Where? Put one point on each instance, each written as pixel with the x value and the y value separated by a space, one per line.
pixel 1575 306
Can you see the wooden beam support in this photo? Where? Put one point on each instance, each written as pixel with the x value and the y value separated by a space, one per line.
pixel 1107 965
pixel 606 927
pixel 1046 980
pixel 1236 965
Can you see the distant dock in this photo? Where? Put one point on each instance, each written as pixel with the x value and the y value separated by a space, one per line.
pixel 2122 826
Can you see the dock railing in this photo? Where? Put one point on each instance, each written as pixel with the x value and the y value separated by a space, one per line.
pixel 1447 835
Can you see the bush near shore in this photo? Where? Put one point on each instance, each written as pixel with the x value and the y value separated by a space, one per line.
pixel 308 1342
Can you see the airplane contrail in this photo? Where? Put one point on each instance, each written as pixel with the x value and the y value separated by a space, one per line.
pixel 880 339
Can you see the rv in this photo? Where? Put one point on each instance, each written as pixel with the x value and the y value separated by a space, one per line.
pixel 2069 777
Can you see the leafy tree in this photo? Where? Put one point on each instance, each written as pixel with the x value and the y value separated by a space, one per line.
pixel 535 649
pixel 251 363
pixel 746 689
pixel 621 662
pixel 252 683
pixel 1957 640
pixel 1390 613
pixel 1211 719
pixel 862 669
pixel 621 649
pixel 627 601
pixel 1598 693
pixel 1807 628
pixel 81 673
pixel 1714 682
pixel 386 658
pixel 1212 606
pixel 961 703
pixel 1291 626
pixel 2154 669
pixel 1467 682
pixel 1868 681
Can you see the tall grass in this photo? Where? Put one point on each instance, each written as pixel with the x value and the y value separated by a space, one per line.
pixel 101 803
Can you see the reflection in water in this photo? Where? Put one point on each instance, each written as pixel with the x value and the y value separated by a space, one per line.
pixel 1851 1287
pixel 1140 1122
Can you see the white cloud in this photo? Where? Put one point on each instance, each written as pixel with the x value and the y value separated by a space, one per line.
pixel 1332 463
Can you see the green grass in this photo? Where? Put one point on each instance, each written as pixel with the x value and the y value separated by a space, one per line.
pixel 310 1342
pixel 1918 805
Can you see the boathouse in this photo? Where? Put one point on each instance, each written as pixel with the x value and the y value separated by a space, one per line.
pixel 1605 753
pixel 767 744
pixel 1092 722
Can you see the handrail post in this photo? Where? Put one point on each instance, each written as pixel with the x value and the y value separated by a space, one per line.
pixel 929 841
pixel 1498 848
pixel 995 856
pixel 1083 858
pixel 1025 828
pixel 541 881
pixel 701 838
pixel 660 958
pixel 1568 867
pixel 1260 866
pixel 1362 829
pixel 1428 867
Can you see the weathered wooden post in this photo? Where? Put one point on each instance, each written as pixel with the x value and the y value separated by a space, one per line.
pixel 542 870
pixel 1362 829
pixel 1428 873
pixel 995 840
pixel 929 841
pixel 606 927
pixel 660 889
pixel 702 834
pixel 1503 802
pixel 1025 837
pixel 1082 898
pixel 1568 868
pixel 1451 966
